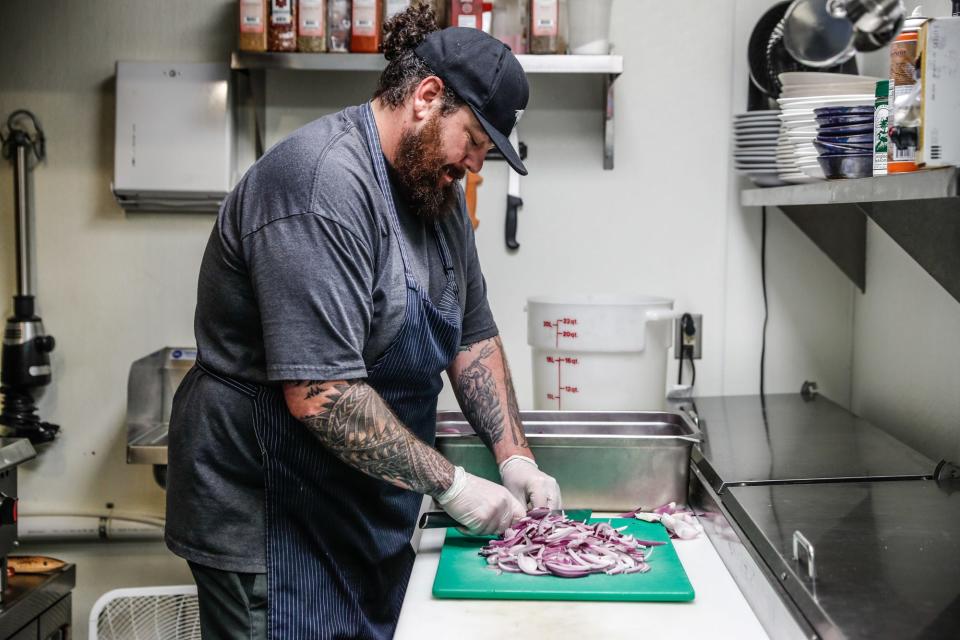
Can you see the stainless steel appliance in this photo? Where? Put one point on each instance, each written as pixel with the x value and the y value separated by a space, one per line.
pixel 605 461
pixel 26 348
pixel 32 605
pixel 830 527
pixel 151 384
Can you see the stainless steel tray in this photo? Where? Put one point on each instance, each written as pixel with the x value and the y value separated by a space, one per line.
pixel 605 461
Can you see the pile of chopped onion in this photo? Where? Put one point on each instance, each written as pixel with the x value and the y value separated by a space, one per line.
pixel 549 544
pixel 679 521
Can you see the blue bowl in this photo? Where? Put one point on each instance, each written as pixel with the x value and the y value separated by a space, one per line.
pixel 861 138
pixel 855 166
pixel 843 111
pixel 832 121
pixel 845 130
pixel 831 149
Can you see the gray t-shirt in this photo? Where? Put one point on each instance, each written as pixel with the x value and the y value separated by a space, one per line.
pixel 301 279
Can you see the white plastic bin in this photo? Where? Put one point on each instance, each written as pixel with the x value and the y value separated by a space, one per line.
pixel 599 352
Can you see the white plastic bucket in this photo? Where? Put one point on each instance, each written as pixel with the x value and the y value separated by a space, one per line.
pixel 599 352
pixel 589 26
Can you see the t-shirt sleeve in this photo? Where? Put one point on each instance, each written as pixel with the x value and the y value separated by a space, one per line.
pixel 312 279
pixel 478 322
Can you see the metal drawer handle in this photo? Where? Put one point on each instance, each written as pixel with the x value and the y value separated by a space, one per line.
pixel 800 542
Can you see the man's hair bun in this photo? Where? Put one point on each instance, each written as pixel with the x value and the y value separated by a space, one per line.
pixel 406 30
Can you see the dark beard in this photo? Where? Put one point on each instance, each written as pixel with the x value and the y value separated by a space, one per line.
pixel 419 168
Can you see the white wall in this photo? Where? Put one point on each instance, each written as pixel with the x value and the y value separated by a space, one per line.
pixel 906 360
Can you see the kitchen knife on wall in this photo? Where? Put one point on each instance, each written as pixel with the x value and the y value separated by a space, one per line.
pixel 514 201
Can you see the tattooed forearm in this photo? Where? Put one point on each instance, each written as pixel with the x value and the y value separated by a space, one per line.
pixel 482 383
pixel 356 424
pixel 477 393
pixel 516 426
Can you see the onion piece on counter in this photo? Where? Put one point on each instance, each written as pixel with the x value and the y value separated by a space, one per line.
pixel 679 521
pixel 545 544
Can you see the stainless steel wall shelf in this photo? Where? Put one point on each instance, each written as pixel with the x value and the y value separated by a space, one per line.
pixel 609 66
pixel 920 211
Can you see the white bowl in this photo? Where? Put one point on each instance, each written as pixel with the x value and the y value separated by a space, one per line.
pixel 791 78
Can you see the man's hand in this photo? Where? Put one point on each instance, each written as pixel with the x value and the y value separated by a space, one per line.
pixel 528 484
pixel 481 506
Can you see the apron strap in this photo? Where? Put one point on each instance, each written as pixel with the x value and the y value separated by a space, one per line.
pixel 383 179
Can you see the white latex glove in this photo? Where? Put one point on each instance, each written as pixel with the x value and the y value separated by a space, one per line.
pixel 528 484
pixel 481 506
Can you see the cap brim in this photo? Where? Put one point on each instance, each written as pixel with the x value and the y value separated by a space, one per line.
pixel 502 143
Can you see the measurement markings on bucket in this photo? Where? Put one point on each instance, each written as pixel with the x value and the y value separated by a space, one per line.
pixel 559 332
pixel 561 388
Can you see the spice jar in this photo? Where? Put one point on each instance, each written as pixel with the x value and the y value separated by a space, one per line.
pixel 510 24
pixel 311 16
pixel 439 8
pixel 339 14
pixel 901 148
pixel 282 33
pixel 466 13
pixel 366 34
pixel 393 7
pixel 253 25
pixel 544 26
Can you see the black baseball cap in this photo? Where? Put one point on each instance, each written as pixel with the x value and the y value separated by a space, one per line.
pixel 486 75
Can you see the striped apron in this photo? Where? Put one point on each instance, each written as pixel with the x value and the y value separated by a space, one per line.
pixel 338 541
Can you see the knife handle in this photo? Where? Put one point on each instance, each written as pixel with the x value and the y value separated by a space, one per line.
pixel 513 204
pixel 437 520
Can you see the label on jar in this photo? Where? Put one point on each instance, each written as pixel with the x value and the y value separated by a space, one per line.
pixel 469 21
pixel 545 17
pixel 281 12
pixel 251 16
pixel 396 6
pixel 364 17
pixel 310 18
pixel 880 138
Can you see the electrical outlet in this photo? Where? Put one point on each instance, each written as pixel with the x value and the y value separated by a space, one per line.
pixel 682 339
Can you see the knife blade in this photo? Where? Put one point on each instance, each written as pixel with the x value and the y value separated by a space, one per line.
pixel 441 520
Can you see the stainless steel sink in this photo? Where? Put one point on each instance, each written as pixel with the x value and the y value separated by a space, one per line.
pixel 605 461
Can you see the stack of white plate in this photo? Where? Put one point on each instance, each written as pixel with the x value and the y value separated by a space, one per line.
pixel 755 135
pixel 804 91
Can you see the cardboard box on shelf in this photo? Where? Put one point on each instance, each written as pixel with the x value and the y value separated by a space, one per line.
pixel 939 53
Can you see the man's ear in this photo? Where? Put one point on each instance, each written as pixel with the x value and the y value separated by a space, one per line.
pixel 427 97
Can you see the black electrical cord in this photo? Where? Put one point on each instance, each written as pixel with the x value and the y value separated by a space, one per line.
pixel 687 328
pixel 766 310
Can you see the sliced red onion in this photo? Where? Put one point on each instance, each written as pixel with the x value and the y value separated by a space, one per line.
pixel 544 543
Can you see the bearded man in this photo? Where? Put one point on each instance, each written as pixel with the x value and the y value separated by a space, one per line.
pixel 340 280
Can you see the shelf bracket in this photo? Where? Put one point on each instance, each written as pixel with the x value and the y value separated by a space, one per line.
pixel 929 231
pixel 840 231
pixel 608 80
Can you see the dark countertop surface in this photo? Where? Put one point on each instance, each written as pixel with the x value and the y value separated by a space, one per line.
pixel 887 554
pixel 29 595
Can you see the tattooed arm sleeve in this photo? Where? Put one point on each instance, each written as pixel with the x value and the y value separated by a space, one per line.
pixel 353 421
pixel 484 388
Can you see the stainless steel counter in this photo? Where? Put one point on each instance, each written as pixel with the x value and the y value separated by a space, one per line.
pixel 790 439
pixel 877 550
pixel 886 554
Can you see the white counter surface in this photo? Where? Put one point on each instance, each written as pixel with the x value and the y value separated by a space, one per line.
pixel 719 610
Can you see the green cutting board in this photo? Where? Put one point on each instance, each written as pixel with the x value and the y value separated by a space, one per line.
pixel 463 573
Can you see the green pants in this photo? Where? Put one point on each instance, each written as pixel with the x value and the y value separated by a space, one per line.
pixel 232 605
